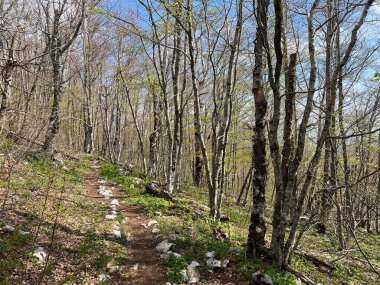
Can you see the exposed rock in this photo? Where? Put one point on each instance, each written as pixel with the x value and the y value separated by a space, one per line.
pixel 225 262
pixel 213 263
pixel 155 230
pixel 115 202
pixel 23 233
pixel 105 192
pixel 112 268
pixel 259 278
pixel 40 254
pixel 164 246
pixel 166 255
pixel 193 273
pixel 9 228
pixel 135 267
pixel 116 233
pixel 210 254
pixel 110 217
pixel 151 223
pixel 234 250
pixel 103 277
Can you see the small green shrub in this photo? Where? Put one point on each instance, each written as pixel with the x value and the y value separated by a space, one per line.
pixel 280 277
pixel 177 266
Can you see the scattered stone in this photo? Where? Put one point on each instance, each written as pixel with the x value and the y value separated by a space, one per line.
pixel 103 191
pixel 159 214
pixel 210 254
pixel 101 181
pixel 155 230
pixel 193 272
pixel 260 278
pixel 113 212
pixel 15 197
pixel 135 267
pixel 9 228
pixel 144 225
pixel 112 268
pixel 213 263
pixel 234 250
pixel 225 262
pixel 117 233
pixel 164 246
pixel 40 254
pixel 23 233
pixel 113 207
pixel 166 255
pixel 151 223
pixel 110 217
pixel 103 277
pixel 115 202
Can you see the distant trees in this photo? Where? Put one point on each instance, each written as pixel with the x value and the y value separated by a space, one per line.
pixel 270 104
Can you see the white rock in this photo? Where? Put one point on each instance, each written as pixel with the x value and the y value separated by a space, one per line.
pixel 144 225
pixel 192 273
pixel 40 254
pixel 194 264
pixel 152 222
pixel 115 202
pixel 15 197
pixel 110 217
pixel 210 254
pixel 113 212
pixel 261 278
pixel 235 250
pixel 101 181
pixel 105 192
pixel 117 233
pixel 103 277
pixel 166 255
pixel 213 263
pixel 135 267
pixel 155 230
pixel 225 262
pixel 23 233
pixel 113 207
pixel 112 268
pixel 164 246
pixel 9 228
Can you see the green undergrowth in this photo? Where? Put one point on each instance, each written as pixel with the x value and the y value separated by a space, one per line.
pixel 12 246
pixel 191 230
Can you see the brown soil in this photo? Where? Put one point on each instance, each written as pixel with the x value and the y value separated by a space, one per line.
pixel 144 266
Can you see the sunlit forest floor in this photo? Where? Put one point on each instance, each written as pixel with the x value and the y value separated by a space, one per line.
pixel 55 206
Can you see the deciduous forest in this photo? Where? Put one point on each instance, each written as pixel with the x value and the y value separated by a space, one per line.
pixel 190 141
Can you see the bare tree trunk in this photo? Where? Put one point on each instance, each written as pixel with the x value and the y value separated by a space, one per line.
pixel 257 228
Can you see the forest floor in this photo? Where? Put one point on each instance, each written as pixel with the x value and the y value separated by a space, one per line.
pixel 58 226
